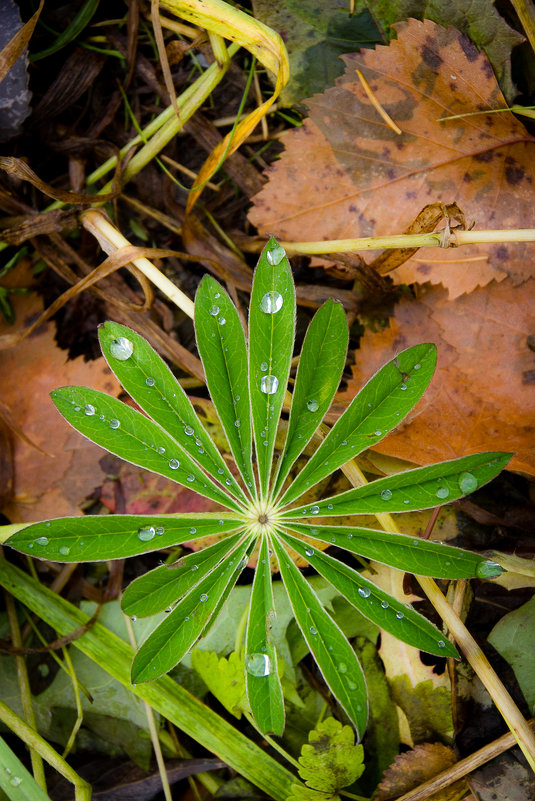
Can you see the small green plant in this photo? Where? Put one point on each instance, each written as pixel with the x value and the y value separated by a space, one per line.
pixel 263 514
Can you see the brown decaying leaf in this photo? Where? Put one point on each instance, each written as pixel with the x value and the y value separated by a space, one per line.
pixel 48 485
pixel 481 397
pixel 417 766
pixel 16 46
pixel 345 173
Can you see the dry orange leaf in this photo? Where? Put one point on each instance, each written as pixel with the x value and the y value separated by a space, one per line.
pixel 345 173
pixel 481 397
pixel 54 483
pixel 417 766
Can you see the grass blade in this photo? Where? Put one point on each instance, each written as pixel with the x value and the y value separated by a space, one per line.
pixel 262 682
pixel 422 488
pixel 15 780
pixel 97 537
pixel 161 587
pixel 172 639
pixel 221 344
pixel 411 554
pixel 150 382
pixel 130 435
pixel 378 408
pixel 332 652
pixel 318 376
pixel 271 337
pixel 164 695
pixel 378 606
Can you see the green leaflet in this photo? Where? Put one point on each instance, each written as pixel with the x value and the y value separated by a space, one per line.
pixel 161 587
pixel 379 407
pixel 183 626
pixel 332 652
pixel 221 344
pixel 15 780
pixel 130 435
pixel 262 681
pixel 378 606
pixel 412 554
pixel 99 537
pixel 271 336
pixel 149 381
pixel 318 376
pixel 422 488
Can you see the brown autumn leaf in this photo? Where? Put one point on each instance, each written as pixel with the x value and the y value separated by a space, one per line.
pixel 345 173
pixel 55 482
pixel 415 767
pixel 481 397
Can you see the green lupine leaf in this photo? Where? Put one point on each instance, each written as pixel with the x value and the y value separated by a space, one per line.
pixel 263 686
pixel 161 587
pixel 318 376
pixel 223 677
pixel 332 652
pixel 99 537
pixel 150 382
pixel 411 554
pixel 176 634
pixel 378 606
pixel 130 435
pixel 221 344
pixel 379 407
pixel 16 781
pixel 421 488
pixel 331 760
pixel 271 336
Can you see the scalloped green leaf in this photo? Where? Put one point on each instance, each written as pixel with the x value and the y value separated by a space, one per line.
pixel 271 337
pixel 264 691
pixel 132 436
pixel 160 588
pixel 378 606
pixel 412 490
pixel 221 344
pixel 318 376
pixel 411 554
pixel 150 382
pixel 379 407
pixel 94 538
pixel 180 630
pixel 332 652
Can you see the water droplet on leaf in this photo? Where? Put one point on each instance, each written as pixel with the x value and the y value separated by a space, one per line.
pixel 121 349
pixel 174 464
pixel 386 494
pixel 203 598
pixel 312 405
pixel 271 303
pixel 41 541
pixel 114 423
pixel 146 533
pixel 258 665
pixel 89 410
pixel 275 254
pixel 213 311
pixel 149 381
pixel 64 550
pixel 443 492
pixel 269 384
pixel 364 592
pixel 488 569
pixel 467 482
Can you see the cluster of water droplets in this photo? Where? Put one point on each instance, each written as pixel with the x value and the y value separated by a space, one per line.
pixel 15 781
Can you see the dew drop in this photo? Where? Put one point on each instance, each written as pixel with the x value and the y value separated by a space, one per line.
pixel 385 604
pixel 121 349
pixel 386 494
pixel 258 665
pixel 237 423
pixel 203 598
pixel 269 384
pixel 190 478
pixel 377 433
pixel 41 541
pixel 149 381
pixel 309 552
pixel 275 254
pixel 159 530
pixel 342 667
pixel 417 366
pixel 400 615
pixel 15 781
pixel 193 530
pixel 403 386
pixel 488 569
pixel 161 449
pixel 442 492
pixel 467 482
pixel 221 321
pixel 89 409
pixel 364 592
pixel 174 464
pixel 271 303
pixel 213 311
pixel 220 471
pixel 313 630
pixel 114 423
pixel 146 533
pixel 194 567
pixel 312 405
pixel 264 366
pixel 441 644
pixel 314 510
pixel 217 295
pixel 64 550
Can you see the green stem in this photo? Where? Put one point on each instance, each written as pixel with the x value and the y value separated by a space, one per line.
pixel 28 735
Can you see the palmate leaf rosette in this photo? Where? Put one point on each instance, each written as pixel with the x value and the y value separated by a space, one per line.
pixel 261 513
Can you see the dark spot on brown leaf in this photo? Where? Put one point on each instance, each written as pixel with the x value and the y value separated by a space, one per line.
pixel 430 57
pixel 399 342
pixel 487 69
pixel 486 156
pixel 513 175
pixel 528 377
pixel 467 177
pixel 424 268
pixel 353 208
pixel 502 253
pixel 530 342
pixel 411 195
pixel 470 50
